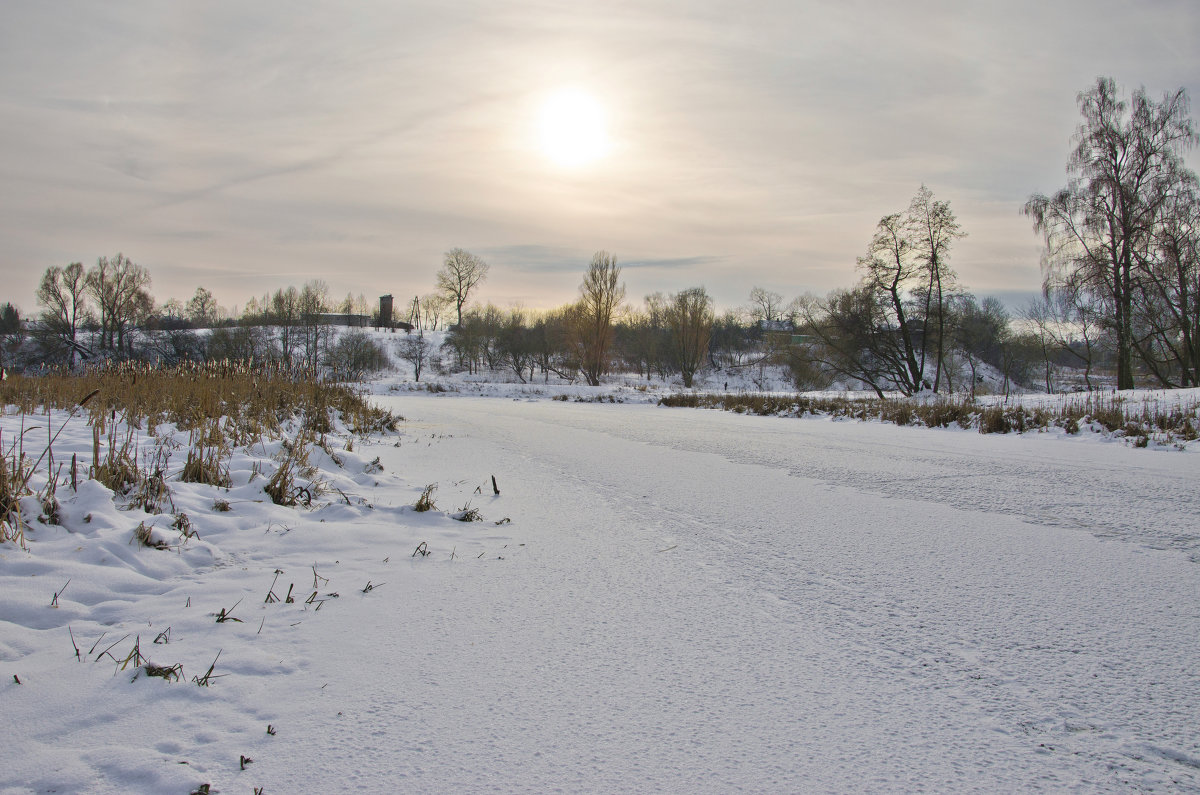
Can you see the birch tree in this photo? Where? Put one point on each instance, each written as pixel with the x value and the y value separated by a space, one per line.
pixel 1100 229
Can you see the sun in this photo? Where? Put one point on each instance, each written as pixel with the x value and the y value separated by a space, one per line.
pixel 572 128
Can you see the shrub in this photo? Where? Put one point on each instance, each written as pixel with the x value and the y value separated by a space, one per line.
pixel 354 355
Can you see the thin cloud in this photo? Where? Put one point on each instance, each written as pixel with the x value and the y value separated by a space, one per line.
pixel 760 146
pixel 672 263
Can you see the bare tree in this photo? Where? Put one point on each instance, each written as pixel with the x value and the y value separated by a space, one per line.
pixel 491 322
pixel 464 341
pixel 515 344
pixel 314 302
pixel 980 331
pixel 907 265
pixel 851 335
pixel 285 314
pixel 600 295
pixel 1073 325
pixel 202 308
pixel 689 315
pixel 415 350
pixel 1167 313
pixel 119 287
pixel 934 228
pixel 433 306
pixel 551 343
pixel 1127 160
pixel 766 307
pixel 1039 318
pixel 61 292
pixel 461 272
pixel 891 274
pixel 173 312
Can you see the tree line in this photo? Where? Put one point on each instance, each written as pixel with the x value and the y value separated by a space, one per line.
pixel 817 342
pixel 107 313
pixel 587 339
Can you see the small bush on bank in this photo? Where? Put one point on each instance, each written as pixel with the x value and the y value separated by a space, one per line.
pixel 1173 424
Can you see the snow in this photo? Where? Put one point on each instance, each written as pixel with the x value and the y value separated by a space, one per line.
pixel 680 601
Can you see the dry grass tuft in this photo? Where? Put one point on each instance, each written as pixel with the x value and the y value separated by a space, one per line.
pixel 144 535
pixel 468 514
pixel 208 449
pixel 118 470
pixel 14 475
pixel 425 501
pixel 282 487
pixel 171 673
pixel 150 491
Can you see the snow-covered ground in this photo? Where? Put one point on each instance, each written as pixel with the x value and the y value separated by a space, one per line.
pixel 659 600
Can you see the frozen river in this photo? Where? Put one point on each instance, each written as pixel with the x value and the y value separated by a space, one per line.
pixel 715 602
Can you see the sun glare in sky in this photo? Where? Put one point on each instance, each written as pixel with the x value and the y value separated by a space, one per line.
pixel 572 128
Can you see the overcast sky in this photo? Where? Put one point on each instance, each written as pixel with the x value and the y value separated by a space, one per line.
pixel 245 146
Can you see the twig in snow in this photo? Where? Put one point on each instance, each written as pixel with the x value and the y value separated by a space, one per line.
pixel 203 681
pixel 271 597
pixel 227 615
pixel 135 656
pixel 58 593
pixel 108 651
pixel 97 643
